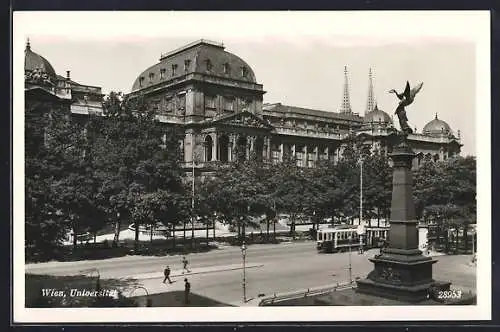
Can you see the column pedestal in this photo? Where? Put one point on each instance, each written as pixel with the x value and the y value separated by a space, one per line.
pixel 401 271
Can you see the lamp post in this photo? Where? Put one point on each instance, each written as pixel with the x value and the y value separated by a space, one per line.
pixel 192 192
pixel 243 255
pixel 361 191
pixel 360 231
pixel 350 265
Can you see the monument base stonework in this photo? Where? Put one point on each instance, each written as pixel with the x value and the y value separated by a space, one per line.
pixel 401 276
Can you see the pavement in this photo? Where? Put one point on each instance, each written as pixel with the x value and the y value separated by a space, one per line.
pixel 270 268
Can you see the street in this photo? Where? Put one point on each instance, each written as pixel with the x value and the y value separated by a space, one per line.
pixel 270 269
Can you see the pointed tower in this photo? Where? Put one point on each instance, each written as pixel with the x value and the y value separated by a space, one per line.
pixel 346 103
pixel 371 103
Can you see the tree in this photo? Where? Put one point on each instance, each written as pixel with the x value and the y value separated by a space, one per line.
pixel 446 191
pixel 60 184
pixel 138 159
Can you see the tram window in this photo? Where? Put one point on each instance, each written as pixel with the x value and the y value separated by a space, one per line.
pixel 320 236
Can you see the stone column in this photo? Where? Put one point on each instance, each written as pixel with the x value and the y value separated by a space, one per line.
pixel 281 152
pixel 249 147
pixel 306 157
pixel 326 153
pixel 232 146
pixel 215 142
pixel 268 148
pixel 293 153
pixel 316 152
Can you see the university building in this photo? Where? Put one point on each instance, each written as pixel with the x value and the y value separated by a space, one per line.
pixel 215 97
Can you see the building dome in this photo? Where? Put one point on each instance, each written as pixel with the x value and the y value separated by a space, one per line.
pixel 377 116
pixel 204 57
pixel 33 61
pixel 436 126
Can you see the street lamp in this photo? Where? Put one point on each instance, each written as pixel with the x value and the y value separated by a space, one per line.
pixel 361 191
pixel 360 231
pixel 350 265
pixel 243 255
pixel 192 191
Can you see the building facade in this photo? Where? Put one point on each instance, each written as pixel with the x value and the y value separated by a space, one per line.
pixel 215 97
pixel 45 90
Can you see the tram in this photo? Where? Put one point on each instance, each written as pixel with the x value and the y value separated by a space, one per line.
pixel 340 238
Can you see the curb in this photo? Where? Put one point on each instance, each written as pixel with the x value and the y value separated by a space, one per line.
pixel 160 275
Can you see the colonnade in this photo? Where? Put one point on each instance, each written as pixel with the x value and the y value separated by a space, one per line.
pixel 228 147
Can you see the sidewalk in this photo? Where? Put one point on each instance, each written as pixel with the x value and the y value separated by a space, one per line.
pixel 208 269
pixel 154 285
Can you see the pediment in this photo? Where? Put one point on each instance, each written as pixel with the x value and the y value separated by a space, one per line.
pixel 243 119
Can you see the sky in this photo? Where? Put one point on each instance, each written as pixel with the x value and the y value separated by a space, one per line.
pixel 299 59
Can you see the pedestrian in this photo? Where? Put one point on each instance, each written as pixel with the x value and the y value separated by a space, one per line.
pixel 185 264
pixel 187 289
pixel 166 273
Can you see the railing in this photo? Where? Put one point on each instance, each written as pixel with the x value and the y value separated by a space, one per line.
pixel 306 293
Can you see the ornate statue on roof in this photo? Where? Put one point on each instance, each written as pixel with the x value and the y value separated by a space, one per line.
pixel 406 98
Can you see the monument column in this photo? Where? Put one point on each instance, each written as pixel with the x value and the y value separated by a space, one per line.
pixel 401 271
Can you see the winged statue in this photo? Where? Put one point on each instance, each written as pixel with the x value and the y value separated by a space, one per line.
pixel 406 98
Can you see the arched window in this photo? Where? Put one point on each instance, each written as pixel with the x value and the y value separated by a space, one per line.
pixel 420 157
pixel 208 148
pixel 241 148
pixel 259 148
pixel 224 148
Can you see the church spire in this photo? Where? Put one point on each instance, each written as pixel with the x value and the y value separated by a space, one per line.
pixel 346 103
pixel 28 45
pixel 371 103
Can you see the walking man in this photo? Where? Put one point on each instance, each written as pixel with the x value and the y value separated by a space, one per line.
pixel 166 273
pixel 185 264
pixel 187 289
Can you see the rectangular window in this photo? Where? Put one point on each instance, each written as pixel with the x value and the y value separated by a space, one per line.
pixel 299 158
pixel 181 101
pixel 208 65
pixel 275 157
pixel 162 73
pixel 174 69
pixel 169 104
pixel 187 63
pixel 210 102
pixel 228 103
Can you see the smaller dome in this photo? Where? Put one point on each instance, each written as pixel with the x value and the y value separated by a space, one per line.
pixel 33 61
pixel 377 116
pixel 436 126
